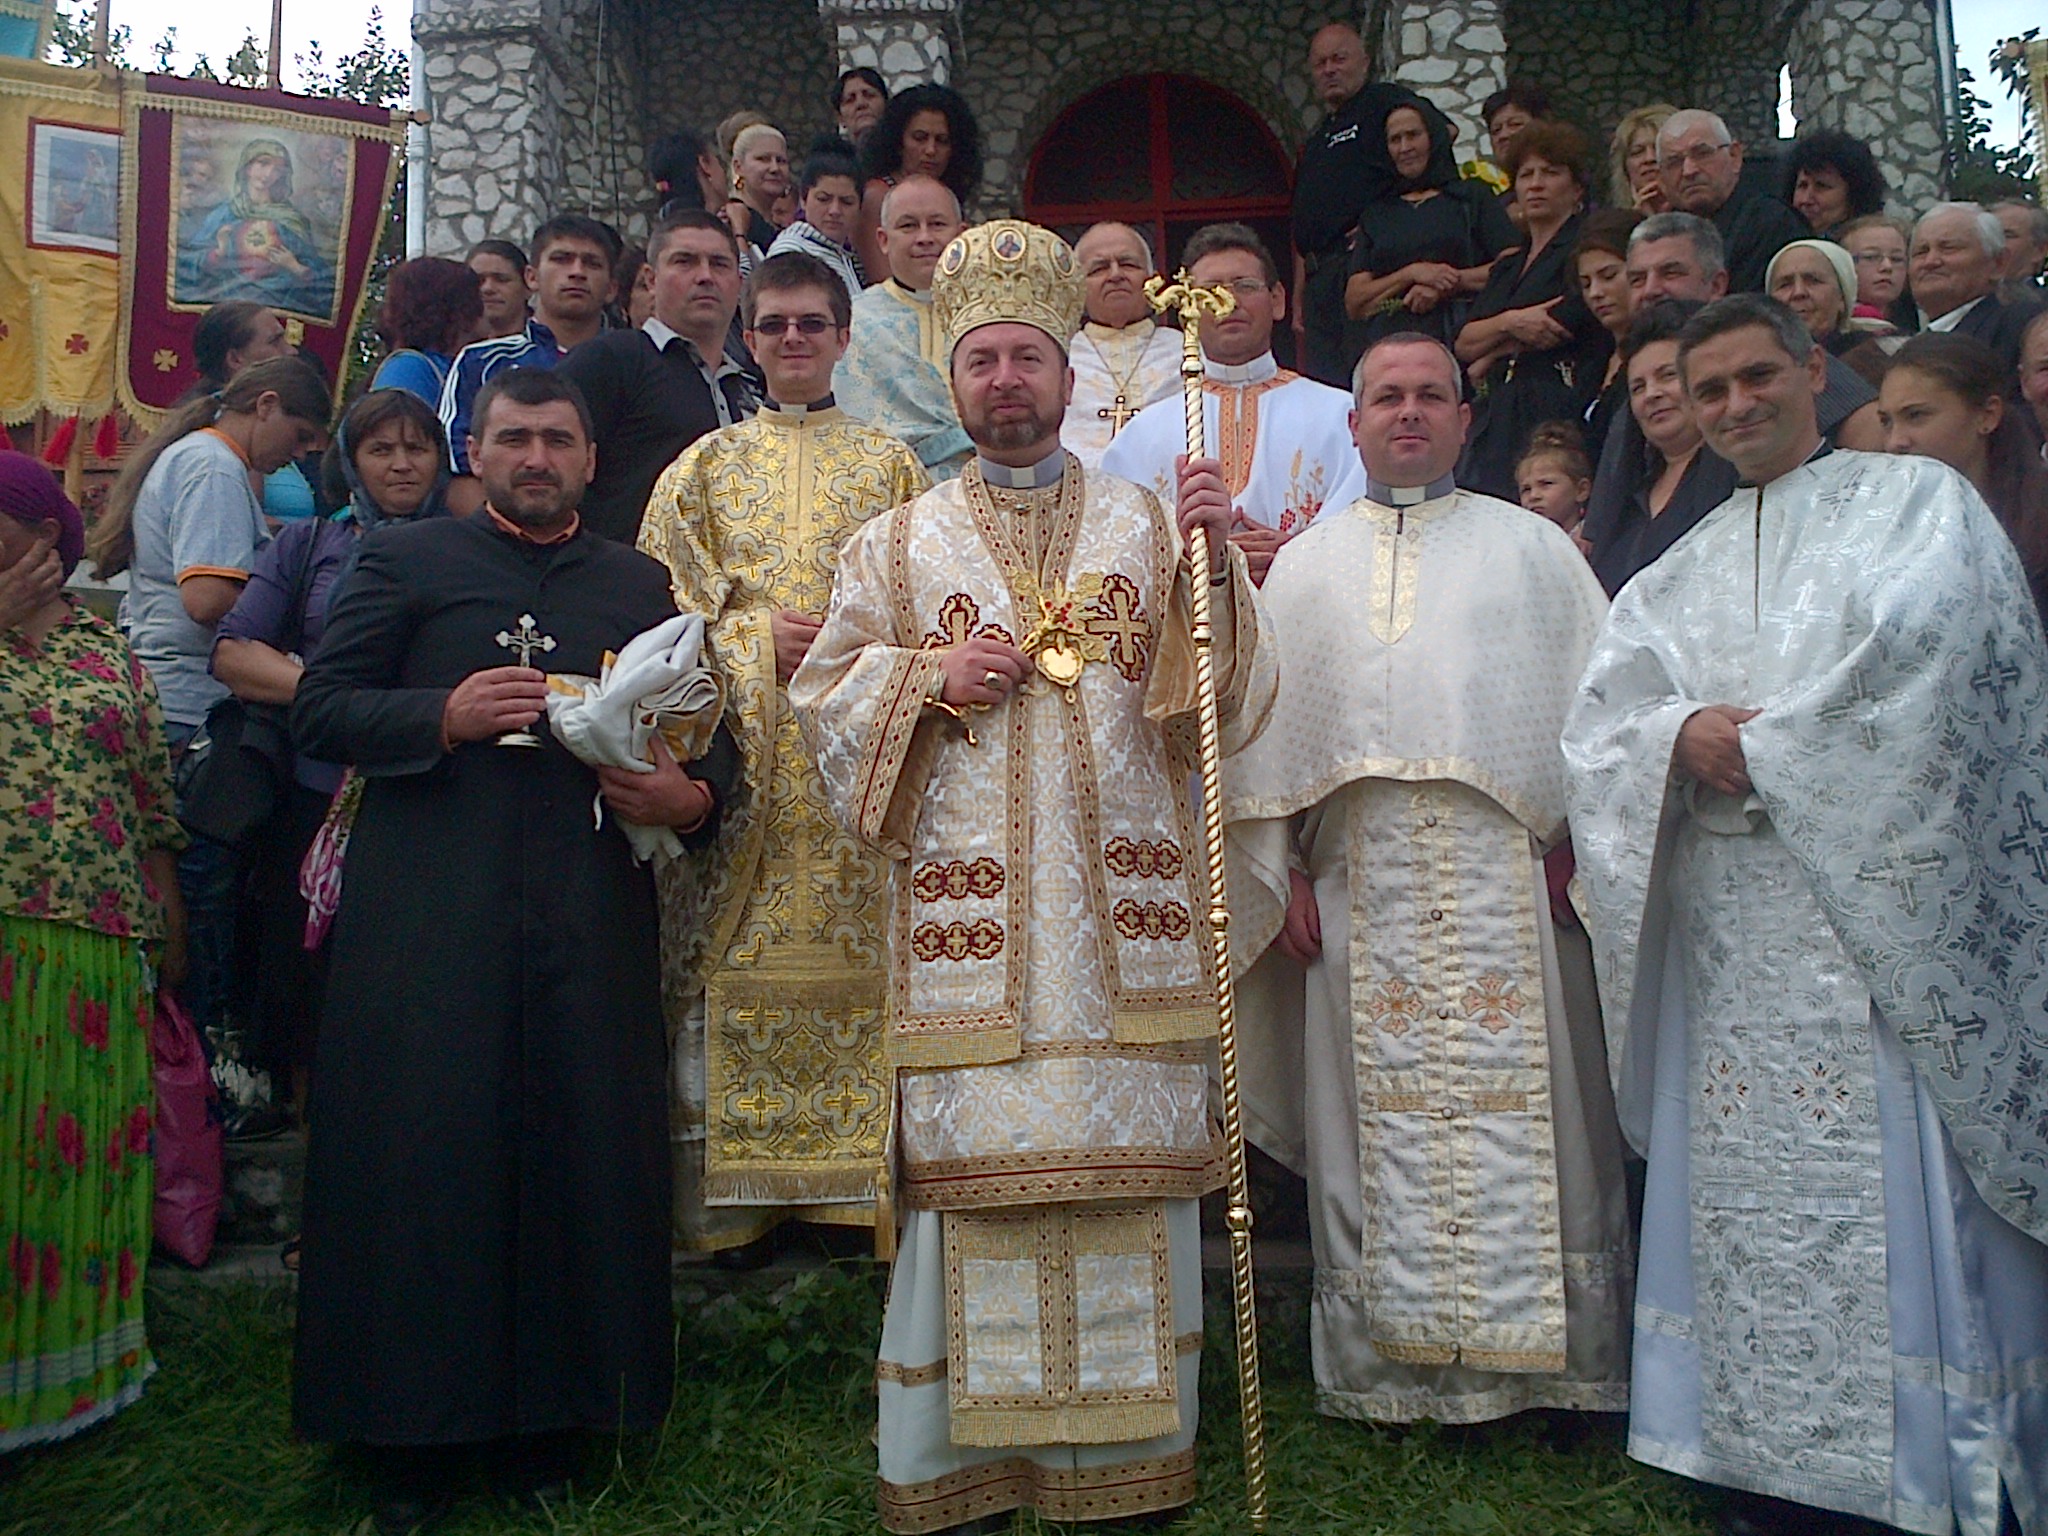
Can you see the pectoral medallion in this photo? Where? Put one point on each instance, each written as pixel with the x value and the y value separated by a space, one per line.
pixel 1058 639
pixel 1061 665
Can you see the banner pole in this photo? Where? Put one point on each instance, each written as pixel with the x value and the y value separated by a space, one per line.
pixel 275 77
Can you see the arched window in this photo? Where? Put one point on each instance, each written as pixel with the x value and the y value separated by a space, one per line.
pixel 1166 154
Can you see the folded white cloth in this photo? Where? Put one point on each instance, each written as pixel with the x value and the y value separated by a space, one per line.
pixel 657 684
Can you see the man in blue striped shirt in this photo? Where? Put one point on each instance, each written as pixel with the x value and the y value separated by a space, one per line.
pixel 570 273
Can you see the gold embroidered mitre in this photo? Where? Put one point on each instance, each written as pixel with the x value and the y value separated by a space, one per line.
pixel 1007 270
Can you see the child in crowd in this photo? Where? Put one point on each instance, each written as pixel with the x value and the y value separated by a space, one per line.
pixel 1554 477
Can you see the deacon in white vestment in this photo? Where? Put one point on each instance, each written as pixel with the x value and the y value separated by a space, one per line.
pixel 1809 788
pixel 1284 440
pixel 893 377
pixel 1407 1039
pixel 1123 359
pixel 1002 701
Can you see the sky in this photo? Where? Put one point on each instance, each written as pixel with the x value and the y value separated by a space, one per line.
pixel 216 29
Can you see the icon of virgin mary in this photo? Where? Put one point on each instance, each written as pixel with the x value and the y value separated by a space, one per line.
pixel 257 245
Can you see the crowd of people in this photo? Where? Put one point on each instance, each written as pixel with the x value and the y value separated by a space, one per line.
pixel 703 743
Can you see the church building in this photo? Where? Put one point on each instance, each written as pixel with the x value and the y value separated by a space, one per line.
pixel 1167 117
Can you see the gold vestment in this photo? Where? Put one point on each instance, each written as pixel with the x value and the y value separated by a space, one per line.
pixel 780 929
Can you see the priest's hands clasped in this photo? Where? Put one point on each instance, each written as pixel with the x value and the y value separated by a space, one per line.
pixel 1205 500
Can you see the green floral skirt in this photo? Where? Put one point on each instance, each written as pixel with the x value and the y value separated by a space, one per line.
pixel 76 1103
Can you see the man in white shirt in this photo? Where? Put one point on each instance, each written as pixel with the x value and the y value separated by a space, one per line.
pixel 1123 359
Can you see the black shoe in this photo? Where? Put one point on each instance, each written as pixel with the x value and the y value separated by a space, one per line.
pixel 401 1513
pixel 537 1471
pixel 1755 1514
pixel 746 1258
pixel 254 1122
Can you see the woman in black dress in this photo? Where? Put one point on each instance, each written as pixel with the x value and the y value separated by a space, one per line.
pixel 1533 350
pixel 1426 247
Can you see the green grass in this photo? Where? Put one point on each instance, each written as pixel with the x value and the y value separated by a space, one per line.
pixel 770 1434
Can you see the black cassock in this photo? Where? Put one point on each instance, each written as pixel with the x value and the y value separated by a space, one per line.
pixel 487 1184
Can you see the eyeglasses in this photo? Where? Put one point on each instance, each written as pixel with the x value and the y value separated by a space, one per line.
pixel 1246 287
pixel 806 325
pixel 1699 154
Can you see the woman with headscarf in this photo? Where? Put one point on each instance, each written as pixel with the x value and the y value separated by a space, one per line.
pixel 89 923
pixel 1816 280
pixel 1427 246
pixel 389 460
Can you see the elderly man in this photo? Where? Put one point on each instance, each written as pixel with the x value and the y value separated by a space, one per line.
pixel 654 391
pixel 1952 271
pixel 998 702
pixel 1123 359
pixel 487 1181
pixel 1408 1024
pixel 1808 764
pixel 1344 165
pixel 2026 240
pixel 1699 163
pixel 894 374
pixel 1283 440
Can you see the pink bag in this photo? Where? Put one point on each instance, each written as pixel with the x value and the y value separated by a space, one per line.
pixel 187 1139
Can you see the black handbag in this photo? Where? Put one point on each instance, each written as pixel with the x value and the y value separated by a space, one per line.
pixel 237 767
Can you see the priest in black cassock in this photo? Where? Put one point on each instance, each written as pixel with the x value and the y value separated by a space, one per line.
pixel 486 1253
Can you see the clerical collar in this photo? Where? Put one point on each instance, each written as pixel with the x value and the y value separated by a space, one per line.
pixel 505 524
pixel 798 412
pixel 1033 477
pixel 1100 332
pixel 1821 450
pixel 1257 371
pixel 1408 495
pixel 914 295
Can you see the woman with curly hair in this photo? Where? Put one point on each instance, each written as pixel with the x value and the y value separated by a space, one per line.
pixel 926 130
pixel 432 309
pixel 1830 178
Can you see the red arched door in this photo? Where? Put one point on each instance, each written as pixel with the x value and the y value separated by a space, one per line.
pixel 1166 154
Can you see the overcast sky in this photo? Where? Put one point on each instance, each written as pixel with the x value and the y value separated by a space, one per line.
pixel 217 27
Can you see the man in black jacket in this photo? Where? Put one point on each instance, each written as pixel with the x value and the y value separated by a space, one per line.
pixel 1700 164
pixel 1952 271
pixel 1343 166
pixel 656 390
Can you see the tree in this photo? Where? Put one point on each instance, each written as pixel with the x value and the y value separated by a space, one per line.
pixel 1980 171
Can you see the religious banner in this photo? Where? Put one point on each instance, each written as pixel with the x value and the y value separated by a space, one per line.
pixel 239 194
pixel 25 27
pixel 60 200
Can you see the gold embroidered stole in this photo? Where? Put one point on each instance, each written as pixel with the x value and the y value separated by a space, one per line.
pixel 1237 425
pixel 960 942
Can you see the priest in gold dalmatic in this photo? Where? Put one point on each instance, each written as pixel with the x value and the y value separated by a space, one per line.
pixel 1002 702
pixel 774 947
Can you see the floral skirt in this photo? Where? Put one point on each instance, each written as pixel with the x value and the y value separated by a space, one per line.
pixel 76 1103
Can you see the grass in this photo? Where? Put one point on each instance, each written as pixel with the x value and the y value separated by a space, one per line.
pixel 770 1435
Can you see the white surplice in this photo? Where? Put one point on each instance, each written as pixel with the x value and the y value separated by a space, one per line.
pixel 1825 999
pixel 1116 370
pixel 1467 1199
pixel 1284 442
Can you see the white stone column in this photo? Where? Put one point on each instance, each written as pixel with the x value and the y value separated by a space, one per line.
pixel 495 79
pixel 1452 51
pixel 907 40
pixel 1869 67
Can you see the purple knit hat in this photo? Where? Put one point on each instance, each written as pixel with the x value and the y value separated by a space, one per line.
pixel 30 494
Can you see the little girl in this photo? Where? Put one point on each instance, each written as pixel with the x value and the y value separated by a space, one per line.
pixel 1554 477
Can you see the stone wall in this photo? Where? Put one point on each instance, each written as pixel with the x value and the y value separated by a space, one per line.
pixel 773 55
pixel 1023 62
pixel 909 41
pixel 1870 68
pixel 1452 51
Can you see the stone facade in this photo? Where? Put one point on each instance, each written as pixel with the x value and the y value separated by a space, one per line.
pixel 1871 68
pixel 547 105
